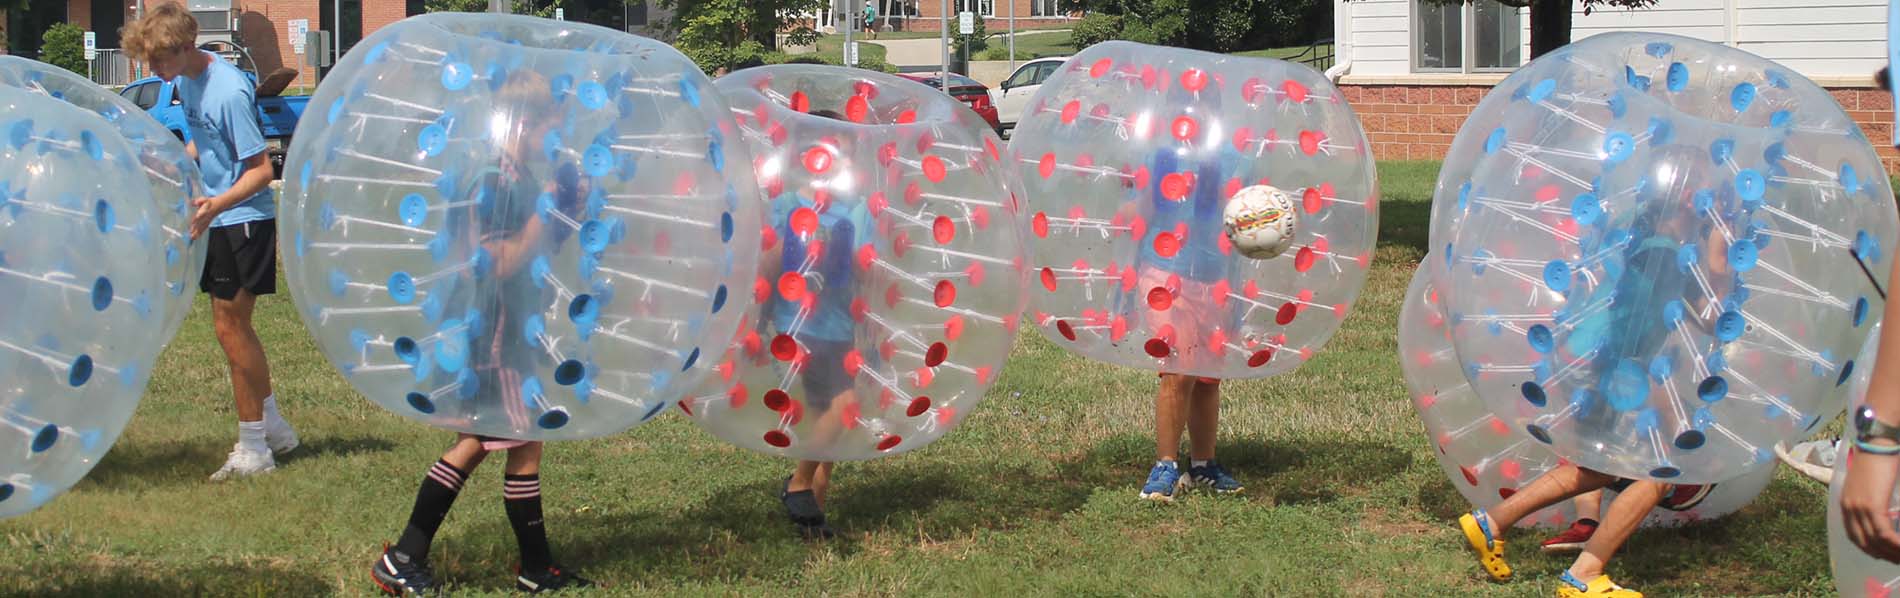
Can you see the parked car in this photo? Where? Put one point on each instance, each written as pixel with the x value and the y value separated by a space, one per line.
pixel 276 114
pixel 973 94
pixel 1013 98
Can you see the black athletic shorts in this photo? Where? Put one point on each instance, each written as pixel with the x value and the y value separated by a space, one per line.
pixel 241 256
pixel 824 377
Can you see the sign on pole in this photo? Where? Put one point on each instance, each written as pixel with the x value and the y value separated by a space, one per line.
pixel 298 29
pixel 966 23
pixel 560 14
pixel 92 45
pixel 851 54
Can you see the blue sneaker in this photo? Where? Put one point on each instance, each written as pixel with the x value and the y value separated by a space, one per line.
pixel 1162 480
pixel 1214 477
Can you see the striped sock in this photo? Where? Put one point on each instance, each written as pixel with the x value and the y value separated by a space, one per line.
pixel 521 496
pixel 433 500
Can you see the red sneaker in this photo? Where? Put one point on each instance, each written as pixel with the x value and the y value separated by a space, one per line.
pixel 1571 540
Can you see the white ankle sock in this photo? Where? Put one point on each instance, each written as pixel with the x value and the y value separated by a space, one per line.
pixel 251 436
pixel 1198 463
pixel 270 410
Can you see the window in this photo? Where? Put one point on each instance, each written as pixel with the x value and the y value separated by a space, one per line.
pixel 148 95
pixel 1024 76
pixel 1483 35
pixel 1045 8
pixel 982 8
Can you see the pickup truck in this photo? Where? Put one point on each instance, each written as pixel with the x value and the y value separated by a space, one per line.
pixel 277 115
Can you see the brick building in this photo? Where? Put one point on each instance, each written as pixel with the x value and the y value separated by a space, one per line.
pixel 925 15
pixel 1414 69
pixel 263 26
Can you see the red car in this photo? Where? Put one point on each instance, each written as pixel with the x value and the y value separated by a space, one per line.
pixel 971 93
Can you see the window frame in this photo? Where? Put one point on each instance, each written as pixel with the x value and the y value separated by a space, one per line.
pixel 1467 40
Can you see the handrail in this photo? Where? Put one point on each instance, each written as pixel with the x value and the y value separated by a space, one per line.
pixel 1318 55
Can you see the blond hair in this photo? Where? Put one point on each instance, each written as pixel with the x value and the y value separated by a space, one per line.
pixel 166 27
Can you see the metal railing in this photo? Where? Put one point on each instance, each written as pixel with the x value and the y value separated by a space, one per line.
pixel 112 68
pixel 1319 55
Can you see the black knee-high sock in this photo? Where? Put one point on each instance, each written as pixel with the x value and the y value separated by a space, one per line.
pixel 433 500
pixel 521 495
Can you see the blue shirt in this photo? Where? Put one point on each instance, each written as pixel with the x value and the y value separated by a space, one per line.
pixel 1200 257
pixel 221 109
pixel 831 277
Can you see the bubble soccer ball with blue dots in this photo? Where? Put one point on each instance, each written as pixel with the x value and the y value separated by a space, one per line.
pixel 518 227
pixel 90 254
pixel 1659 236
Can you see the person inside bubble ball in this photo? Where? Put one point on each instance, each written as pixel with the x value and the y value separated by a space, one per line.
pixel 822 326
pixel 1873 461
pixel 509 230
pixel 237 217
pixel 1633 325
pixel 1183 402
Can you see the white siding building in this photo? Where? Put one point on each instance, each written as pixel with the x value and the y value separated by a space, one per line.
pixel 1834 42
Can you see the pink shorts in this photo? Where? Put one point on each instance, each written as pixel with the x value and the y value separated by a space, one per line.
pixel 500 444
pixel 1185 320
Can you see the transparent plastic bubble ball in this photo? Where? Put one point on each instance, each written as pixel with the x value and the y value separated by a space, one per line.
pixel 87 182
pixel 1129 155
pixel 1856 575
pixel 1483 457
pixel 888 293
pixel 518 227
pixel 1656 237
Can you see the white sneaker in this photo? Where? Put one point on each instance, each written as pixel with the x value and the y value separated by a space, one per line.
pixel 279 435
pixel 243 463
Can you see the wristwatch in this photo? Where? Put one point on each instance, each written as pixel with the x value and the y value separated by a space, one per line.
pixel 1868 428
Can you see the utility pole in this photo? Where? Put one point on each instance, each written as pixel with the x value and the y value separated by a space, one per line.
pixel 943 26
pixel 1012 36
pixel 500 6
pixel 851 22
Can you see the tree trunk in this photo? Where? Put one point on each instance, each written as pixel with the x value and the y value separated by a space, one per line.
pixel 1550 26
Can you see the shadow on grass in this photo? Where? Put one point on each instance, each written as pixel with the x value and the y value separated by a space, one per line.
pixel 1405 224
pixel 172 463
pixel 740 531
pixel 217 579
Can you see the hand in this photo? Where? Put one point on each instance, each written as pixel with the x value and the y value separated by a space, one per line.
pixel 208 209
pixel 1864 504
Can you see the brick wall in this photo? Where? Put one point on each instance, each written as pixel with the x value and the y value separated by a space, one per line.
pixel 79 12
pixel 1417 122
pixel 265 26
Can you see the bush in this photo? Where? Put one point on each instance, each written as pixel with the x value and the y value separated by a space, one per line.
pixel 1094 29
pixel 1002 53
pixel 975 43
pixel 64 46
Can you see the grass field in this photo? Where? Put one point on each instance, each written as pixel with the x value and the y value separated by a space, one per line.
pixel 1034 495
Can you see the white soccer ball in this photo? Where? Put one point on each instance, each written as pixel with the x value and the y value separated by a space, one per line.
pixel 1261 221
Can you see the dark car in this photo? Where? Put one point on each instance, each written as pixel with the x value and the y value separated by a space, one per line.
pixel 973 94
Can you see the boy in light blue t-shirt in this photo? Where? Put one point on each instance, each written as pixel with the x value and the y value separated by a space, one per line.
pixel 236 217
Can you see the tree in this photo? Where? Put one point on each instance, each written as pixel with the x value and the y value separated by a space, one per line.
pixel 544 9
pixel 1550 19
pixel 731 30
pixel 64 46
pixel 1217 25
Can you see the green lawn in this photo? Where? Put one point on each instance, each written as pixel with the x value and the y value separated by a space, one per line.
pixel 1034 495
pixel 1285 53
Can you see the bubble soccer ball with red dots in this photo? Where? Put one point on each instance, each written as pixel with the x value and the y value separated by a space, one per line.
pixel 1857 575
pixel 92 247
pixel 1129 156
pixel 1656 235
pixel 889 290
pixel 518 227
pixel 1486 459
